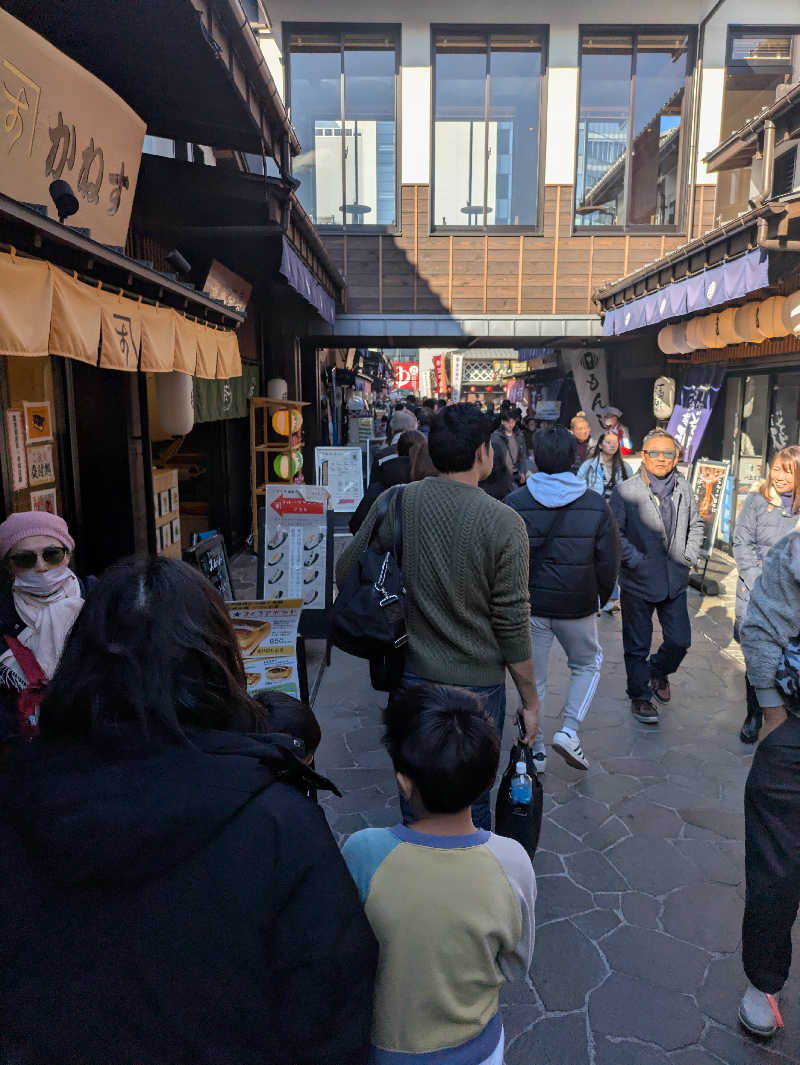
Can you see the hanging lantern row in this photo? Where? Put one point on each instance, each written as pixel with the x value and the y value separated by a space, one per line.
pixel 752 323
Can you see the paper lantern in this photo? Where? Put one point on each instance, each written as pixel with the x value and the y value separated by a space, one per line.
pixel 665 341
pixel 770 317
pixel 286 466
pixel 277 388
pixel 727 326
pixel 712 337
pixel 694 332
pixel 286 422
pixel 663 398
pixel 791 313
pixel 175 402
pixel 746 323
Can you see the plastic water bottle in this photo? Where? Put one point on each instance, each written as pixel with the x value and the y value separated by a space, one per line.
pixel 521 789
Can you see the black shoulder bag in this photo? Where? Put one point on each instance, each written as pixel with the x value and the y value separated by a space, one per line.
pixel 369 613
pixel 522 824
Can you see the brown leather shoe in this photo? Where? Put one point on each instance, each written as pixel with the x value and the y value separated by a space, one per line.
pixel 644 711
pixel 660 686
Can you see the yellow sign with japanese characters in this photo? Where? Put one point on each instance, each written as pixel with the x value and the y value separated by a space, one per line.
pixel 58 121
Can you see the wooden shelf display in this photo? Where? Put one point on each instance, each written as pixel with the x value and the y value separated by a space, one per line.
pixel 276 447
pixel 167 512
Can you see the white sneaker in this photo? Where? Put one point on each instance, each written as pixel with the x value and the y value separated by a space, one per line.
pixel 569 747
pixel 540 761
pixel 759 1012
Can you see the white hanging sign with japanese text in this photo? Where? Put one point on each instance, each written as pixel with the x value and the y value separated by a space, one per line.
pixel 58 121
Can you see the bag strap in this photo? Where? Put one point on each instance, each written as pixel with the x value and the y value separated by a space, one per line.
pixel 34 674
pixel 392 497
pixel 397 531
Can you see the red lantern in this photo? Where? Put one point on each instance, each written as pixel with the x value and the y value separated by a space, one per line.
pixel 489 388
pixel 472 388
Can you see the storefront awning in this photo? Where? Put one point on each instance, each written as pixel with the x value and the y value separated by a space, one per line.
pixel 709 288
pixel 44 311
pixel 302 281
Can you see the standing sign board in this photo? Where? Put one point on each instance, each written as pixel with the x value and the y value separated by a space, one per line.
pixel 339 469
pixel 708 485
pixel 295 557
pixel 211 558
pixel 267 635
pixel 62 123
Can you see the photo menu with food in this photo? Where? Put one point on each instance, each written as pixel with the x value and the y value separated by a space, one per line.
pixel 295 555
pixel 267 635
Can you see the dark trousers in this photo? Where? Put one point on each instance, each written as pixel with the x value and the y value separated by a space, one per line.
pixel 494 705
pixel 637 636
pixel 772 857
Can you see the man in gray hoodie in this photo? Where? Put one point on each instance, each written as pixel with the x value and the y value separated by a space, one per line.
pixel 771 647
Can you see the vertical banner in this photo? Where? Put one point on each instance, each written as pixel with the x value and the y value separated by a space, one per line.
pixel 457 369
pixel 698 394
pixel 591 382
pixel 440 374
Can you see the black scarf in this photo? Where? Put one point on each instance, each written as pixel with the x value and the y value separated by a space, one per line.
pixel 662 488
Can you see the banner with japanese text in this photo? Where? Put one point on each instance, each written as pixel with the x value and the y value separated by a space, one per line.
pixel 59 122
pixel 696 399
pixel 406 376
pixel 591 383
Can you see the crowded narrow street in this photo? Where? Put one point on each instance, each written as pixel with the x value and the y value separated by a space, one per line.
pixel 640 866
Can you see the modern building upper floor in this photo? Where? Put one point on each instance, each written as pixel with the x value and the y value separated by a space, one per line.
pixel 509 161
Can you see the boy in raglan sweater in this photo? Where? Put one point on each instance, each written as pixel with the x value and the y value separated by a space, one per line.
pixel 452 906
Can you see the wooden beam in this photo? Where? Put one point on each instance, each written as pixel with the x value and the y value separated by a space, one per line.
pixel 450 277
pixel 519 273
pixel 591 269
pixel 555 246
pixel 627 254
pixel 485 271
pixel 416 243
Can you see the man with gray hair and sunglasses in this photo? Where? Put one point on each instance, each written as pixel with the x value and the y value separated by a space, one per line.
pixel 661 533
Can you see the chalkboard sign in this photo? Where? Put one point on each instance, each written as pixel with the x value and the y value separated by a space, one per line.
pixel 708 485
pixel 211 558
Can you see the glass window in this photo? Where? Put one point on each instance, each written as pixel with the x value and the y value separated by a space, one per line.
pixel 342 96
pixel 486 128
pixel 758 62
pixel 630 129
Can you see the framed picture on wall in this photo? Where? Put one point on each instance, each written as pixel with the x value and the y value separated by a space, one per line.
pixel 38 422
pixel 44 500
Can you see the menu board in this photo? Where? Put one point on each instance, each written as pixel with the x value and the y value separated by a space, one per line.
pixel 296 545
pixel 708 485
pixel 267 635
pixel 339 469
pixel 211 559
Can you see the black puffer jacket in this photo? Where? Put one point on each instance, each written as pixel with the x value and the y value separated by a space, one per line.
pixel 179 905
pixel 386 473
pixel 576 568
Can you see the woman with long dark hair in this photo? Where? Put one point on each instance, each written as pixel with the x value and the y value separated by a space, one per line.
pixel 166 894
pixel 767 515
pixel 606 468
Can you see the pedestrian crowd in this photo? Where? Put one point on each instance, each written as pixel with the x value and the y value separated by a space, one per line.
pixel 169 888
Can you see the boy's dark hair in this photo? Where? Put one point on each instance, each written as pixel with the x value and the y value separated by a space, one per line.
pixel 456 434
pixel 442 739
pixel 292 717
pixel 554 449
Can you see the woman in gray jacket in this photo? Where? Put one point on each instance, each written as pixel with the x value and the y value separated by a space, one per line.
pixel 767 515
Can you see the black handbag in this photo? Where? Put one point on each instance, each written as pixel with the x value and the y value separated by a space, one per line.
pixel 524 826
pixel 369 613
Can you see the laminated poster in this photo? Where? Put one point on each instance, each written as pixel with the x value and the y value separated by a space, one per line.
pixel 15 426
pixel 267 635
pixel 339 470
pixel 295 553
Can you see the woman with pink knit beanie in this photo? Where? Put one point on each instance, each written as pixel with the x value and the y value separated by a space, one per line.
pixel 39 602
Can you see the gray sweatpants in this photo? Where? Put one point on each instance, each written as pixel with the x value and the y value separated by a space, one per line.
pixel 578 638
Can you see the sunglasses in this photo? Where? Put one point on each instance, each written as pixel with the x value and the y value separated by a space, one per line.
pixel 660 454
pixel 52 556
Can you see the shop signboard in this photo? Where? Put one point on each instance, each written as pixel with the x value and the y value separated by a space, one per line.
pixel 440 374
pixel 15 428
pixel 267 635
pixel 295 560
pixel 691 414
pixel 708 485
pixel 339 469
pixel 406 376
pixel 591 382
pixel 59 122
pixel 457 373
pixel 210 557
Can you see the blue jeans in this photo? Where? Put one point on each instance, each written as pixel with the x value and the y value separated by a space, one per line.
pixel 494 703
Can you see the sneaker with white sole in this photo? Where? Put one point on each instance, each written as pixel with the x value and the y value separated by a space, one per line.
pixel 569 747
pixel 759 1012
pixel 540 761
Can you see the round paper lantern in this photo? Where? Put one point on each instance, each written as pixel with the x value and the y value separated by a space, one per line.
pixel 277 388
pixel 286 422
pixel 680 339
pixel 286 466
pixel 694 332
pixel 175 402
pixel 665 341
pixel 747 325
pixel 791 313
pixel 710 330
pixel 770 316
pixel 727 326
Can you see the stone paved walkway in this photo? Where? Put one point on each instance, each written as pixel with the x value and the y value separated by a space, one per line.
pixel 640 867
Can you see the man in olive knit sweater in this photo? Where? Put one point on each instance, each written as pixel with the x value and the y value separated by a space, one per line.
pixel 465 561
